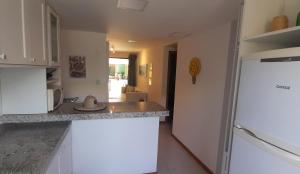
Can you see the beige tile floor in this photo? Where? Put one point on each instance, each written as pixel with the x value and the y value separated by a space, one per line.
pixel 172 157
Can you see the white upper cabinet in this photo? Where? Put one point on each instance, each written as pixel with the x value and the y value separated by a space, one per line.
pixel 53 28
pixel 11 32
pixel 35 31
pixel 23 32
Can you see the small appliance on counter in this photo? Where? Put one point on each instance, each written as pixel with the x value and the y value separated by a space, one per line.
pixel 55 97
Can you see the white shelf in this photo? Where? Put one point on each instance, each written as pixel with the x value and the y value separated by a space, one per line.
pixel 289 36
pixel 277 53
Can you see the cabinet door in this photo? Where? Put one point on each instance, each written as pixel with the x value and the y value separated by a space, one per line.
pixel 54 167
pixel 11 32
pixel 35 42
pixel 53 38
pixel 62 161
pixel 66 155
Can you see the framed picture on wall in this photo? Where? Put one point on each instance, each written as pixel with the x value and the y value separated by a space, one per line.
pixel 143 70
pixel 77 66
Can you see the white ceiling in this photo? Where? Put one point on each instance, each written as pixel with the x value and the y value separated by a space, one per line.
pixel 159 19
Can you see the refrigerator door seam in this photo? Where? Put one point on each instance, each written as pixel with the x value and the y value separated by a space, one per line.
pixel 281 59
pixel 270 140
pixel 281 153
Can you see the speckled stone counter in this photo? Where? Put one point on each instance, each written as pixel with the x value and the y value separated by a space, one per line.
pixel 28 148
pixel 112 111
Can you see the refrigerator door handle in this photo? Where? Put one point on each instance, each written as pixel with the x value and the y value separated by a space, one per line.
pixel 281 153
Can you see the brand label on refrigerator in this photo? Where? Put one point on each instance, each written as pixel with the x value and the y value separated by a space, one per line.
pixel 283 87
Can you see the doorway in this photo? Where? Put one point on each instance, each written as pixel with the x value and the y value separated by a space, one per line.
pixel 171 83
pixel 118 78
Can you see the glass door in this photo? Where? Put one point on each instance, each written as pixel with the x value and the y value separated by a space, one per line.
pixel 53 41
pixel 118 75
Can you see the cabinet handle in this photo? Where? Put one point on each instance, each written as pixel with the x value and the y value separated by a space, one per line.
pixel 2 56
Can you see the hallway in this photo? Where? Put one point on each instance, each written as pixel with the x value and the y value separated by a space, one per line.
pixel 172 157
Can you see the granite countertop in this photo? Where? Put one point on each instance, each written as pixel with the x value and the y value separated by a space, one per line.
pixel 28 148
pixel 113 110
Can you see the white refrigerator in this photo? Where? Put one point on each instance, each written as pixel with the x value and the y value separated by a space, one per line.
pixel 266 136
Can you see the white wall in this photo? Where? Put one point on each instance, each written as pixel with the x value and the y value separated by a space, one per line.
pixel 153 54
pixel 198 108
pixel 94 47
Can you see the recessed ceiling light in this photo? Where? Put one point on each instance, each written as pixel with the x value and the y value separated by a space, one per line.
pixel 138 5
pixel 179 34
pixel 132 41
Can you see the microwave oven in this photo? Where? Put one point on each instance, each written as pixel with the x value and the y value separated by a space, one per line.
pixel 55 97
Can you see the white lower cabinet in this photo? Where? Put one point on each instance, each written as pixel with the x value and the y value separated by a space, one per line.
pixel 108 146
pixel 54 167
pixel 115 146
pixel 66 161
pixel 62 160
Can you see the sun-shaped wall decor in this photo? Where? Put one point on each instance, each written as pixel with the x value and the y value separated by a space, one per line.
pixel 195 68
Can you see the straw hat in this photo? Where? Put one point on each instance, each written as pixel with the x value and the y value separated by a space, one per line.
pixel 90 104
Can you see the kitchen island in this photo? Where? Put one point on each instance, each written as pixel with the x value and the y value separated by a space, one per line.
pixel 123 138
pixel 66 112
